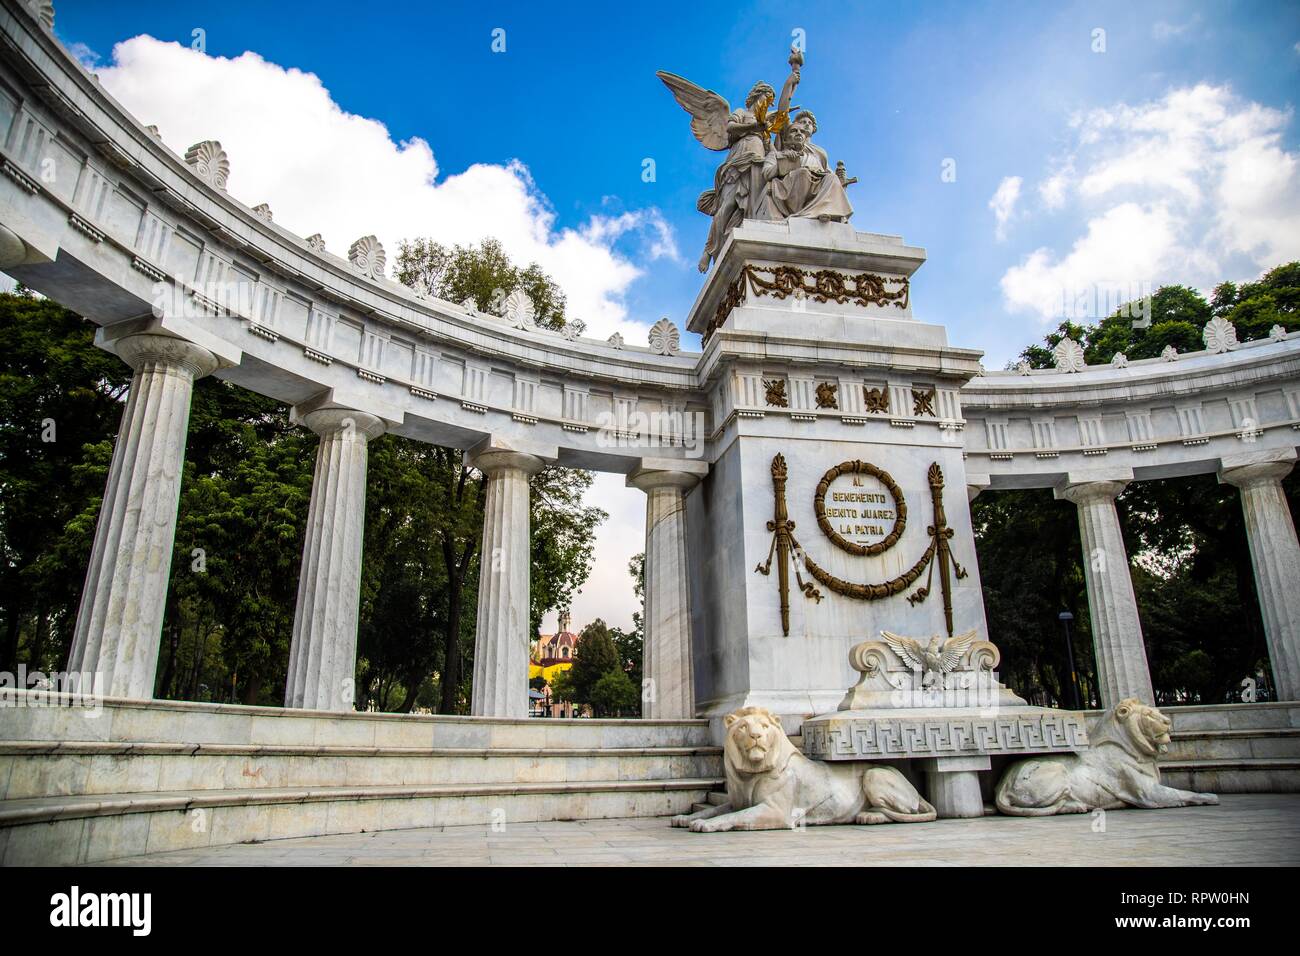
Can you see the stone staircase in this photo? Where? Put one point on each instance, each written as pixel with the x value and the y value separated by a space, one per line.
pixel 1234 748
pixel 79 785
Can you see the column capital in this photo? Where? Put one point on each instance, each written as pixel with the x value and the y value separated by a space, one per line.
pixel 333 421
pixel 652 473
pixel 1256 469
pixel 494 455
pixel 1093 485
pixel 975 485
pixel 145 347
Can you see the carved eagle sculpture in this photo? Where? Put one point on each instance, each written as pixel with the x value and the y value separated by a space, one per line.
pixel 934 659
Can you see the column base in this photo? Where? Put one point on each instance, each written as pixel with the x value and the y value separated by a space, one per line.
pixel 955 785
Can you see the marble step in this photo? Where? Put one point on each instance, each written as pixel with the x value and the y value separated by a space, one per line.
pixel 30 769
pixel 715 799
pixel 74 829
pixel 29 716
pixel 1234 744
pixel 1236 775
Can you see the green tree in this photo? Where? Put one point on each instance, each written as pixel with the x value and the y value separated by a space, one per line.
pixel 1186 539
pixel 60 404
pixel 483 273
pixel 614 695
pixel 562 528
pixel 594 657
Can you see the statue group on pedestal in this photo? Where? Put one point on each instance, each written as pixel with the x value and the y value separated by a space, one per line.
pixel 772 170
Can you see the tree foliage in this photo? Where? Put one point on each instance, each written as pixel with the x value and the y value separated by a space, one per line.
pixel 483 273
pixel 241 523
pixel 1185 537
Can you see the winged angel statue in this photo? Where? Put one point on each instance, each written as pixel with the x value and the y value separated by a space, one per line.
pixel 760 179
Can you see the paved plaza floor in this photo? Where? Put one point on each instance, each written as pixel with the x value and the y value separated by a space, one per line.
pixel 1246 829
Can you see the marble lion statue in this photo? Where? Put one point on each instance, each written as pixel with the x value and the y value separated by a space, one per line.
pixel 771 785
pixel 1117 770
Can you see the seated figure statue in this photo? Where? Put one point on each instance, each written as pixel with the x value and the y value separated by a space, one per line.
pixel 800 181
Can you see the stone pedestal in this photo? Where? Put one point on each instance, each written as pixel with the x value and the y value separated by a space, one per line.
pixel 1275 555
pixel 814 356
pixel 951 745
pixel 669 689
pixel 954 784
pixel 323 656
pixel 501 637
pixel 1116 630
pixel 119 623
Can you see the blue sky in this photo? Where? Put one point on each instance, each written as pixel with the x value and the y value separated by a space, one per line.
pixel 897 88
pixel 1128 142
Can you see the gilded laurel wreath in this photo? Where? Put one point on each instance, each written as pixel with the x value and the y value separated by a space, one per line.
pixel 900 507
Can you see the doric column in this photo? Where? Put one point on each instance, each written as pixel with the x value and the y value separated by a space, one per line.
pixel 667 669
pixel 1275 555
pixel 119 623
pixel 323 656
pixel 1116 630
pixel 504 600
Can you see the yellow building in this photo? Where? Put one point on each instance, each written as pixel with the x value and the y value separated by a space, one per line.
pixel 551 654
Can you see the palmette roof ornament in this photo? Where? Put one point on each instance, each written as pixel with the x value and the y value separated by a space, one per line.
pixel 520 311
pixel 1119 360
pixel 470 305
pixel 1219 335
pixel 616 340
pixel 664 338
pixel 1277 333
pixel 368 257
pixel 1170 354
pixel 263 212
pixel 42 10
pixel 570 331
pixel 1023 367
pixel 1067 356
pixel 209 162
pixel 316 242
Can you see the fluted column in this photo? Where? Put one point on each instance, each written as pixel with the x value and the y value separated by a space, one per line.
pixel 1275 554
pixel 667 667
pixel 323 655
pixel 504 599
pixel 119 622
pixel 1116 630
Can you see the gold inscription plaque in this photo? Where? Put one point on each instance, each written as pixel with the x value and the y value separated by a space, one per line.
pixel 859 513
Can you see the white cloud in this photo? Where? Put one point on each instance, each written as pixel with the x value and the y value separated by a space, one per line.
pixel 1004 202
pixel 1053 190
pixel 1164 30
pixel 324 170
pixel 1192 188
pixel 84 54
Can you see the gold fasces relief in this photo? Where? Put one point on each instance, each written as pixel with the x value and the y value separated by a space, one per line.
pixel 937 552
pixel 876 399
pixel 923 402
pixel 826 397
pixel 776 396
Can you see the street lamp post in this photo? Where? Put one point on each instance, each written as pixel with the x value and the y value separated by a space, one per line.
pixel 1065 618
